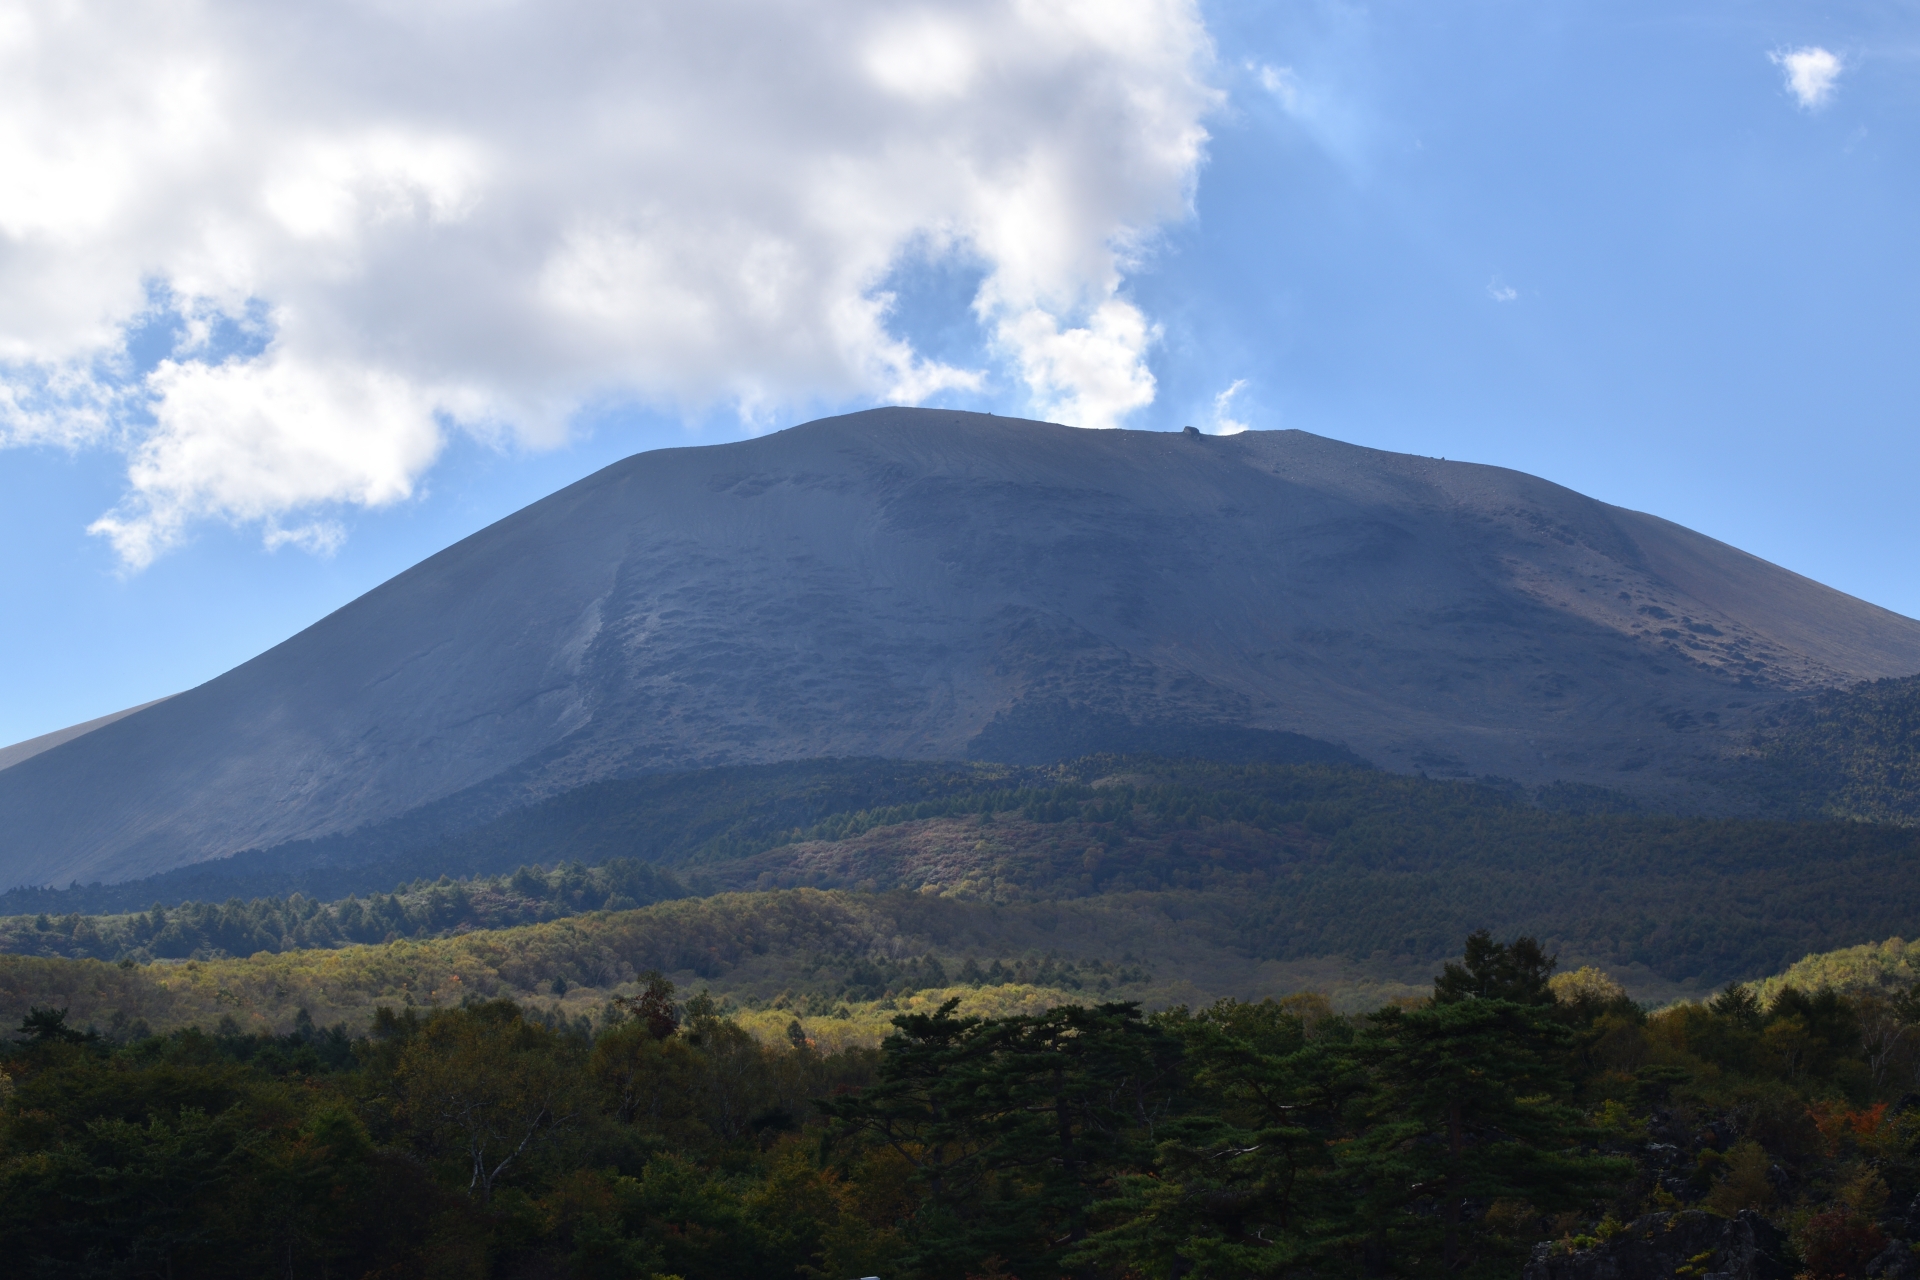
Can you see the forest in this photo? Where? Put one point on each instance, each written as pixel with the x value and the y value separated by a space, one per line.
pixel 1842 755
pixel 979 1022
pixel 1851 754
pixel 204 930
pixel 1265 862
pixel 1514 1116
pixel 664 819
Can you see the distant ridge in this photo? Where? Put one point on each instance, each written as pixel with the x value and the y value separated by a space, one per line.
pixel 925 584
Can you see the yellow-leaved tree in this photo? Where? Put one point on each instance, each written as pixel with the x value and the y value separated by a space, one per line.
pixel 490 1087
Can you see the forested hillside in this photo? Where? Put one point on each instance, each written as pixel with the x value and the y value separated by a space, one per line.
pixel 203 930
pixel 828 953
pixel 1258 863
pixel 1510 1117
pixel 1848 754
pixel 666 818
pixel 1872 968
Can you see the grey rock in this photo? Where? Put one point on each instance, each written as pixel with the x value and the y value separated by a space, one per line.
pixel 1657 1246
pixel 930 584
pixel 1895 1262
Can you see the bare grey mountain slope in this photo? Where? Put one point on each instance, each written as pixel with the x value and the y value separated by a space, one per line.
pixel 27 748
pixel 930 584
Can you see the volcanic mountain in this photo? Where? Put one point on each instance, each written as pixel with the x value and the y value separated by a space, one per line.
pixel 917 583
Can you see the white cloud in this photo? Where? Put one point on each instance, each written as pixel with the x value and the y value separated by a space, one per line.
pixel 1089 376
pixel 1282 83
pixel 456 217
pixel 923 56
pixel 1811 74
pixel 1502 292
pixel 251 440
pixel 1223 423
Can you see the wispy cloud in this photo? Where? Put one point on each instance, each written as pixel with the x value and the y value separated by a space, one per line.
pixel 1282 83
pixel 1812 74
pixel 478 218
pixel 1502 292
pixel 1224 424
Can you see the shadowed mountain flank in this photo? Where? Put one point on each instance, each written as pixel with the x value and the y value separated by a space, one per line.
pixel 925 584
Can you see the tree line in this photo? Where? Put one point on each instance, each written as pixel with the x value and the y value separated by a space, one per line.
pixel 1514 1112
pixel 1284 862
pixel 423 909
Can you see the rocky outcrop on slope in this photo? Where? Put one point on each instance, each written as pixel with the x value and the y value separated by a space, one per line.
pixel 1691 1245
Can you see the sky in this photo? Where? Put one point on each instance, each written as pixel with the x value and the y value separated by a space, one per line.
pixel 292 297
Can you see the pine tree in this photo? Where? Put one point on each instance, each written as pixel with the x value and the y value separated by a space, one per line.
pixel 1014 1127
pixel 925 1113
pixel 1516 971
pixel 1467 1108
pixel 1240 1181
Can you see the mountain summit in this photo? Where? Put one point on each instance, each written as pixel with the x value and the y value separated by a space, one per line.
pixel 923 583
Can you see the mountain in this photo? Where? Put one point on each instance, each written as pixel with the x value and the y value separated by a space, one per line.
pixel 19 751
pixel 924 584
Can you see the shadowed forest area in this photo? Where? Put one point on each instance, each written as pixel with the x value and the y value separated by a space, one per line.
pixel 965 1023
pixel 1515 1117
pixel 1260 863
pixel 1850 754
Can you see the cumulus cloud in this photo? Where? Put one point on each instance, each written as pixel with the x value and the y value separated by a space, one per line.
pixel 254 439
pixel 1811 74
pixel 1092 375
pixel 436 217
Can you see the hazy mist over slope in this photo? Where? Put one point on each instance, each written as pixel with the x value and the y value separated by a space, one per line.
pixel 932 584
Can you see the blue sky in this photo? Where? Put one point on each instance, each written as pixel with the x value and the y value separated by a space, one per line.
pixel 1609 244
